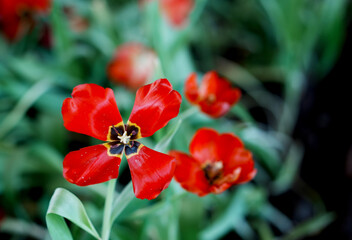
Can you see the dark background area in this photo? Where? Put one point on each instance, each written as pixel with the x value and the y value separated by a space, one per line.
pixel 324 127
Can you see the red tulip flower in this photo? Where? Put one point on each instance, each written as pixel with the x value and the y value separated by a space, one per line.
pixel 215 96
pixel 132 65
pixel 217 162
pixel 177 11
pixel 92 110
pixel 17 17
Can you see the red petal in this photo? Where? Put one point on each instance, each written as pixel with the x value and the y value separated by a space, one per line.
pixel 91 165
pixel 191 88
pixel 225 144
pixel 230 96
pixel 151 172
pixel 226 181
pixel 190 174
pixel 177 11
pixel 215 110
pixel 209 85
pixel 230 150
pixel 242 158
pixel 203 146
pixel 155 105
pixel 91 111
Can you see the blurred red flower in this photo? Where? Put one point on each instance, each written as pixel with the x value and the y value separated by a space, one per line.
pixel 132 65
pixel 176 11
pixel 217 162
pixel 17 17
pixel 92 110
pixel 215 96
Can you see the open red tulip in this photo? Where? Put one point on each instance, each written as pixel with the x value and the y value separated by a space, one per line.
pixel 132 65
pixel 17 17
pixel 92 110
pixel 176 11
pixel 215 96
pixel 217 162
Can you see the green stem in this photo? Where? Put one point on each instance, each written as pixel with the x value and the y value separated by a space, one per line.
pixel 108 209
pixel 189 112
pixel 19 111
pixel 122 201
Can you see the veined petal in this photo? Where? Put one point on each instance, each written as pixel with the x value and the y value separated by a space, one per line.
pixel 151 171
pixel 203 145
pixel 91 165
pixel 155 105
pixel 190 174
pixel 91 111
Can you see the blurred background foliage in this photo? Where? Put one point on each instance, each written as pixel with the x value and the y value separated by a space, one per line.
pixel 271 49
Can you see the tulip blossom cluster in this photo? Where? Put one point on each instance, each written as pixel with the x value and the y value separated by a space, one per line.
pixel 216 161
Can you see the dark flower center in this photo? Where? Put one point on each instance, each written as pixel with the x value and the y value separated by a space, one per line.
pixel 123 133
pixel 213 171
pixel 122 137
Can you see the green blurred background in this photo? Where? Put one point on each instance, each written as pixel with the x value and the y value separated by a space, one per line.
pixel 291 59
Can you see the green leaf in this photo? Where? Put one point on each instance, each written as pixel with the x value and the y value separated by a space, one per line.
pixel 165 141
pixel 263 229
pixel 235 213
pixel 242 113
pixel 310 226
pixel 61 32
pixel 21 227
pixel 23 105
pixel 266 146
pixel 289 169
pixel 121 202
pixel 64 204
pixel 276 217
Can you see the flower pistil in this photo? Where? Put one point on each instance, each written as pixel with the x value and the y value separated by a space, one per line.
pixel 213 171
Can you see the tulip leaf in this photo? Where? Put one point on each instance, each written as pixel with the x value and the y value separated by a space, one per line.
pixel 241 112
pixel 310 226
pixel 165 141
pixel 234 214
pixel 121 202
pixel 289 169
pixel 18 112
pixel 64 204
